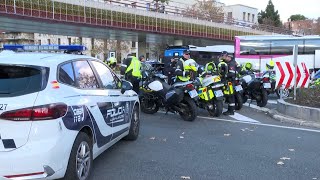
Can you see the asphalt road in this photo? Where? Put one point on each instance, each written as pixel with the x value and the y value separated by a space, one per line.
pixel 249 145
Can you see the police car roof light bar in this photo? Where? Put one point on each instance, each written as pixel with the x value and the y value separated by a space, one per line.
pixel 65 48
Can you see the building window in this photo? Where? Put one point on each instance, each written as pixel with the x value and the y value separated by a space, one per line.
pixel 39 42
pixel 249 17
pixel 59 41
pixel 244 16
pixel 253 18
pixel 229 18
pixel 49 41
pixel 133 44
pixel 69 41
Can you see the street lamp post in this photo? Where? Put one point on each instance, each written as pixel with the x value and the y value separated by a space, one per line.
pixel 289 20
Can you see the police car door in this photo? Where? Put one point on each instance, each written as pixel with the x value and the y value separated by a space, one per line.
pixel 92 95
pixel 116 108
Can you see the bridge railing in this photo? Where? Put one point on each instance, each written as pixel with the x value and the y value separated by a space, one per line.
pixel 187 11
pixel 113 15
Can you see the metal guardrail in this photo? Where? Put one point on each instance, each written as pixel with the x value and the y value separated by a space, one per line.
pixel 119 16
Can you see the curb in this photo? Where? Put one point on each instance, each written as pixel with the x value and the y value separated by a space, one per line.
pixel 282 118
pixel 310 114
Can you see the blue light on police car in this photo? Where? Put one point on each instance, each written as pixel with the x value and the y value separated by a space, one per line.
pixel 70 48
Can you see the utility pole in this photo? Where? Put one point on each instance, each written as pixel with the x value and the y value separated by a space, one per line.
pixel 295 63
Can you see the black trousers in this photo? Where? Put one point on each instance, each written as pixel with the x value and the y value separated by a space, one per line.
pixel 135 83
pixel 170 80
pixel 231 102
pixel 230 98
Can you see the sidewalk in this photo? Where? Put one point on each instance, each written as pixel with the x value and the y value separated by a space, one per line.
pixel 293 114
pixel 282 118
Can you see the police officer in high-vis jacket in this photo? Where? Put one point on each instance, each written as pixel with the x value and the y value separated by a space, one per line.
pixel 229 78
pixel 111 62
pixel 131 69
pixel 185 72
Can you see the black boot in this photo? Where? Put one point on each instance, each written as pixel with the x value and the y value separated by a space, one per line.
pixel 227 113
pixel 230 111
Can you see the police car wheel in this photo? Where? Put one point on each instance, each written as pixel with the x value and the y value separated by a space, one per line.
pixel 81 159
pixel 134 125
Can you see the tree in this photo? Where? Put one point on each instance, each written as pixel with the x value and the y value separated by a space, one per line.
pixel 158 49
pixel 317 27
pixel 121 47
pixel 297 17
pixel 269 16
pixel 208 10
pixel 96 47
pixel 76 41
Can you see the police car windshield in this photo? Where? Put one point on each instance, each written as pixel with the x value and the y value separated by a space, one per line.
pixel 21 80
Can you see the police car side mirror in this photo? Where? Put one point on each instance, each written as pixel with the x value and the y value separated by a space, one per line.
pixel 125 86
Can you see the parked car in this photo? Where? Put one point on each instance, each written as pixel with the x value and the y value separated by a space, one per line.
pixel 60 111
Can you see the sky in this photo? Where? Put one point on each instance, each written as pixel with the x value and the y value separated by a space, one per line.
pixel 286 8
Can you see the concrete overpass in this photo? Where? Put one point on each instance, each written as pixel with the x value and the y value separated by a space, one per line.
pixel 107 21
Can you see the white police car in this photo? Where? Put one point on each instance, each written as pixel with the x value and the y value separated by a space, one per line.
pixel 60 111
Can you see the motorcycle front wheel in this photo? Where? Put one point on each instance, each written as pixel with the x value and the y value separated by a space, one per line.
pixel 264 99
pixel 189 109
pixel 238 101
pixel 285 93
pixel 217 110
pixel 148 106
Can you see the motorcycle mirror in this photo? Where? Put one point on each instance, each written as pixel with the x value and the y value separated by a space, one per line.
pixel 125 86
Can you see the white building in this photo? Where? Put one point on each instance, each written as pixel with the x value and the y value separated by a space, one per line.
pixel 95 47
pixel 241 13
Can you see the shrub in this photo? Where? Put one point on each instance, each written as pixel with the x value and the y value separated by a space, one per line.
pixel 308 97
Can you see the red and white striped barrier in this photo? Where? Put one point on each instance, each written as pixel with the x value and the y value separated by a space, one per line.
pixel 285 75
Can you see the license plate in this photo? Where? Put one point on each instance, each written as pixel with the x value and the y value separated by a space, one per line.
pixel 238 88
pixel 3 107
pixel 193 93
pixel 267 85
pixel 218 93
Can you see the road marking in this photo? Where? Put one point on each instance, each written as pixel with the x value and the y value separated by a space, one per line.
pixel 260 124
pixel 240 117
pixel 236 116
pixel 254 123
pixel 257 107
pixel 273 101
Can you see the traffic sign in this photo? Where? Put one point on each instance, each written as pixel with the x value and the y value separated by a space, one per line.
pixel 112 54
pixel 285 75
